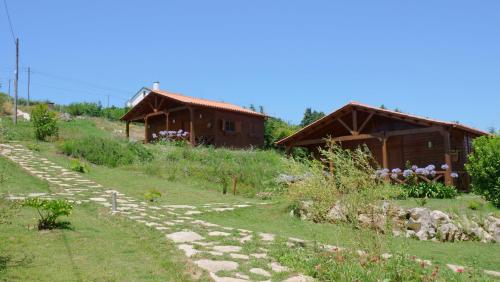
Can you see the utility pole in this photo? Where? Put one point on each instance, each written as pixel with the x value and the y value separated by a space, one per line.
pixel 9 86
pixel 16 88
pixel 29 74
pixel 108 100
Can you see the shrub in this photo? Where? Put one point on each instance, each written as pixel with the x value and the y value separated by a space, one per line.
pixel 483 166
pixel 105 151
pixel 5 104
pixel 49 211
pixel 351 182
pixel 152 195
pixel 475 205
pixel 84 108
pixel 78 166
pixel 430 190
pixel 44 122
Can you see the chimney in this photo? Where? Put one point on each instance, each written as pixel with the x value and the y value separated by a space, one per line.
pixel 156 85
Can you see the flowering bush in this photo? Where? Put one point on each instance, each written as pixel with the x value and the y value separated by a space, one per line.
pixel 430 190
pixel 171 135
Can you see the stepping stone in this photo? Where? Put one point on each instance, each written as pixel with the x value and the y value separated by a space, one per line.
pixel 259 256
pixel 227 249
pixel 216 265
pixel 192 212
pixel 214 253
pixel 246 239
pixel 152 224
pixel 204 244
pixel 180 207
pixel 242 206
pixel 455 268
pixel 226 279
pixel 260 271
pixel 242 276
pixel 204 223
pixel 492 273
pixel 184 236
pixel 223 209
pixel 218 233
pixel 299 278
pixel 239 256
pixel 36 194
pixel 267 236
pixel 277 267
pixel 189 250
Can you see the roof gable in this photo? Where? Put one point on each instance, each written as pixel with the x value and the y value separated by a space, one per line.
pixel 418 120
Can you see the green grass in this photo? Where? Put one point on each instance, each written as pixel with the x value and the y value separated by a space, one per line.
pixel 275 219
pixel 100 247
pixel 14 180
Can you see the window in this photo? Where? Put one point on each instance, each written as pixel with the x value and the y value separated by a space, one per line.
pixel 229 126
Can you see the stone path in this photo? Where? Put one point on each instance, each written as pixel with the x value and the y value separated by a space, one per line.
pixel 227 254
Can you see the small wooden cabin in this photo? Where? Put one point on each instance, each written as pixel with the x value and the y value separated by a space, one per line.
pixel 394 138
pixel 207 122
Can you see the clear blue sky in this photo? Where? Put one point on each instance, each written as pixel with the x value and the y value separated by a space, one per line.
pixel 439 59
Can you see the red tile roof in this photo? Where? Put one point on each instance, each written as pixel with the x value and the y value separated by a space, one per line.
pixel 206 103
pixel 394 113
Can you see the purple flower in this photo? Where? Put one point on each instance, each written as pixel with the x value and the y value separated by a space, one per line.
pixel 154 135
pixel 444 167
pixel 407 173
pixel 396 170
pixel 394 175
pixel 384 174
pixel 433 173
pixel 430 167
pixel 454 175
pixel 414 167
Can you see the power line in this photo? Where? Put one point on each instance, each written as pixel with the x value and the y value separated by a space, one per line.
pixel 10 22
pixel 78 91
pixel 89 84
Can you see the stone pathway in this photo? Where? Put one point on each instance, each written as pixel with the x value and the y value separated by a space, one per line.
pixel 227 254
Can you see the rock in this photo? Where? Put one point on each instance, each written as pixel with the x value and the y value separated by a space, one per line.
pixel 299 278
pixel 184 237
pixel 239 256
pixel 438 218
pixel 482 235
pixel 375 221
pixel 492 225
pixel 218 233
pixel 189 250
pixel 337 213
pixel 260 271
pixel 448 232
pixel 65 117
pixel 421 223
pixel 216 265
pixel 277 267
pixel 227 249
pixel 266 236
pixel 226 279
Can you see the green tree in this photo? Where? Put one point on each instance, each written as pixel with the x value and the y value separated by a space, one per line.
pixel 276 129
pixel 44 121
pixel 311 116
pixel 483 166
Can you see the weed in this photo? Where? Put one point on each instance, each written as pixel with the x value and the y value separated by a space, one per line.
pixel 49 211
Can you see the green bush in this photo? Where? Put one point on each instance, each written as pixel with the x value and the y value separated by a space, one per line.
pixel 430 190
pixel 44 121
pixel 78 166
pixel 114 113
pixel 49 211
pixel 483 166
pixel 105 151
pixel 84 108
pixel 475 205
pixel 152 195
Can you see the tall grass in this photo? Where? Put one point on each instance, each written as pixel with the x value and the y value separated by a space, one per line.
pixel 104 151
pixel 253 170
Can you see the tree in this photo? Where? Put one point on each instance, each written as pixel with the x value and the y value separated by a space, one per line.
pixel 311 116
pixel 44 121
pixel 276 129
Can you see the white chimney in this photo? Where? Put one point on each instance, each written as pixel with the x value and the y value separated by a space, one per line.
pixel 156 85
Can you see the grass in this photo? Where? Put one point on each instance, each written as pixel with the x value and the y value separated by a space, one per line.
pixel 274 219
pixel 99 247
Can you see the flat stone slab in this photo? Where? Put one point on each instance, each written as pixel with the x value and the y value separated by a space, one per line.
pixel 180 207
pixel 184 237
pixel 260 271
pixel 299 278
pixel 239 256
pixel 277 267
pixel 216 265
pixel 267 236
pixel 189 250
pixel 226 279
pixel 218 233
pixel 227 249
pixel 98 199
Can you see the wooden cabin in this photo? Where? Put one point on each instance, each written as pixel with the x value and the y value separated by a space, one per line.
pixel 207 122
pixel 394 138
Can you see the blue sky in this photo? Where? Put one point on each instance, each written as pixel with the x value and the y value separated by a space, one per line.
pixel 439 59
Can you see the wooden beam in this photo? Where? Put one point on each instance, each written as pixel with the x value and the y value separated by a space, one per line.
pixel 344 124
pixel 192 135
pixel 366 122
pixel 127 129
pixel 160 112
pixel 146 130
pixel 355 122
pixel 385 158
pixel 167 120
pixel 448 180
pixel 414 131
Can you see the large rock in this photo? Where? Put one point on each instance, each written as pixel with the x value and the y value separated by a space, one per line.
pixel 421 223
pixel 448 232
pixel 337 213
pixel 492 225
pixel 438 218
pixel 374 221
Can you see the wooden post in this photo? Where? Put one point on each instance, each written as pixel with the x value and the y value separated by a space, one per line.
pixel 235 179
pixel 167 114
pixel 355 122
pixel 447 158
pixel 192 135
pixel 385 159
pixel 113 202
pixel 127 129
pixel 288 150
pixel 146 130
